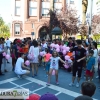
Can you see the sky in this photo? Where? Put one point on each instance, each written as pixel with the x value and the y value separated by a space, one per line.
pixel 5 9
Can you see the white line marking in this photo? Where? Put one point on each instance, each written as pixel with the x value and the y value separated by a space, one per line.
pixel 56 88
pixel 38 89
pixel 58 93
pixel 8 80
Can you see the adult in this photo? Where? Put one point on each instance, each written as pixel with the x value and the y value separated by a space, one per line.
pixel 80 55
pixel 8 43
pixel 34 62
pixel 83 97
pixel 20 67
pixel 1 56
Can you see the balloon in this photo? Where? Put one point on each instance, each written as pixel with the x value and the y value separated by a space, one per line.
pixel 27 62
pixel 56 46
pixel 67 57
pixel 41 53
pixel 52 45
pixel 64 52
pixel 30 56
pixel 4 54
pixel 67 48
pixel 7 56
pixel 64 47
pixel 58 50
pixel 53 72
pixel 66 66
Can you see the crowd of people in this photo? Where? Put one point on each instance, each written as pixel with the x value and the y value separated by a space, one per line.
pixel 84 56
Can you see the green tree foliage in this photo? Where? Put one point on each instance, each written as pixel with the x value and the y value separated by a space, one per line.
pixel 4 29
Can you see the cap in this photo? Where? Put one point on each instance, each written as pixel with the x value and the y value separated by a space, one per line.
pixel 48 96
pixel 34 97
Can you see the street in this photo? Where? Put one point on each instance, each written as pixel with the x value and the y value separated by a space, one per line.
pixel 37 85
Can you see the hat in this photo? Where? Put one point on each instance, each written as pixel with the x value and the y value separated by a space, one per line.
pixel 21 50
pixel 19 41
pixel 48 96
pixel 34 97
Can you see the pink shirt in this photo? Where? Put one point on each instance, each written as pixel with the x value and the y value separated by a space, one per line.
pixel 47 57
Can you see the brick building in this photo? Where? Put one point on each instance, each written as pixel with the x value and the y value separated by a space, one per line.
pixel 30 15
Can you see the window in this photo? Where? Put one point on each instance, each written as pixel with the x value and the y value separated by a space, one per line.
pixel 45 7
pixel 17 29
pixel 71 1
pixel 57 0
pixel 58 6
pixel 17 8
pixel 32 8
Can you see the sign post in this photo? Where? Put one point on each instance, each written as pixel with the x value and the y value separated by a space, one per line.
pixel 32 33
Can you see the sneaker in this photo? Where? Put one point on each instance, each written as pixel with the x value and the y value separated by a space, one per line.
pixel 97 77
pixel 71 84
pixel 77 85
pixel 57 83
pixel 18 76
pixel 48 84
pixel 35 74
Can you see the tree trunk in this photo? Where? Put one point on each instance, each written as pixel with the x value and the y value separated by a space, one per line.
pixel 84 10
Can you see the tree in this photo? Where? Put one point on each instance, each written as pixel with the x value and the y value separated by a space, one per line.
pixel 84 10
pixel 68 20
pixel 4 29
pixel 96 24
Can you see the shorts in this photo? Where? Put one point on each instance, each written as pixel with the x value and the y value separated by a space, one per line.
pixel 47 66
pixel 53 67
pixel 88 73
pixel 20 72
pixel 77 68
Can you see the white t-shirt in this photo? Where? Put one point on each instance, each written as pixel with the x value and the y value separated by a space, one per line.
pixel 8 42
pixel 34 50
pixel 19 62
pixel 54 62
pixel 95 53
pixel 44 45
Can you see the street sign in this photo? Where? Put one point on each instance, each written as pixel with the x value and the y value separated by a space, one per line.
pixel 32 33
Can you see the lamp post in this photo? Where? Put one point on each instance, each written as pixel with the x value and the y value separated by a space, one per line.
pixel 90 23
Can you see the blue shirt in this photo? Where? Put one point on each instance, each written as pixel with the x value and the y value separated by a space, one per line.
pixel 90 63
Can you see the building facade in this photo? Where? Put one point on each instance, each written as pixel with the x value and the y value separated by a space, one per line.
pixel 98 7
pixel 29 16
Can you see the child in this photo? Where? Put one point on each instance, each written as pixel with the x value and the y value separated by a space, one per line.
pixel 90 65
pixel 20 65
pixel 47 59
pixel 54 65
pixel 88 88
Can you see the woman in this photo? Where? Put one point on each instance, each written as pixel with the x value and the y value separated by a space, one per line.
pixel 1 56
pixel 34 62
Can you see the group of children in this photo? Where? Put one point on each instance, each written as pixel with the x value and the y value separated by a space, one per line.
pixel 54 60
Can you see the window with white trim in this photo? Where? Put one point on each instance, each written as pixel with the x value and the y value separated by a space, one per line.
pixel 58 5
pixel 17 7
pixel 45 7
pixel 17 29
pixel 71 1
pixel 32 8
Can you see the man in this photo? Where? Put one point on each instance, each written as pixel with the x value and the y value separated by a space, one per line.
pixel 20 67
pixel 80 55
pixel 8 43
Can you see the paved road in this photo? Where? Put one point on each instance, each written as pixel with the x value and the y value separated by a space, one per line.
pixel 38 84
